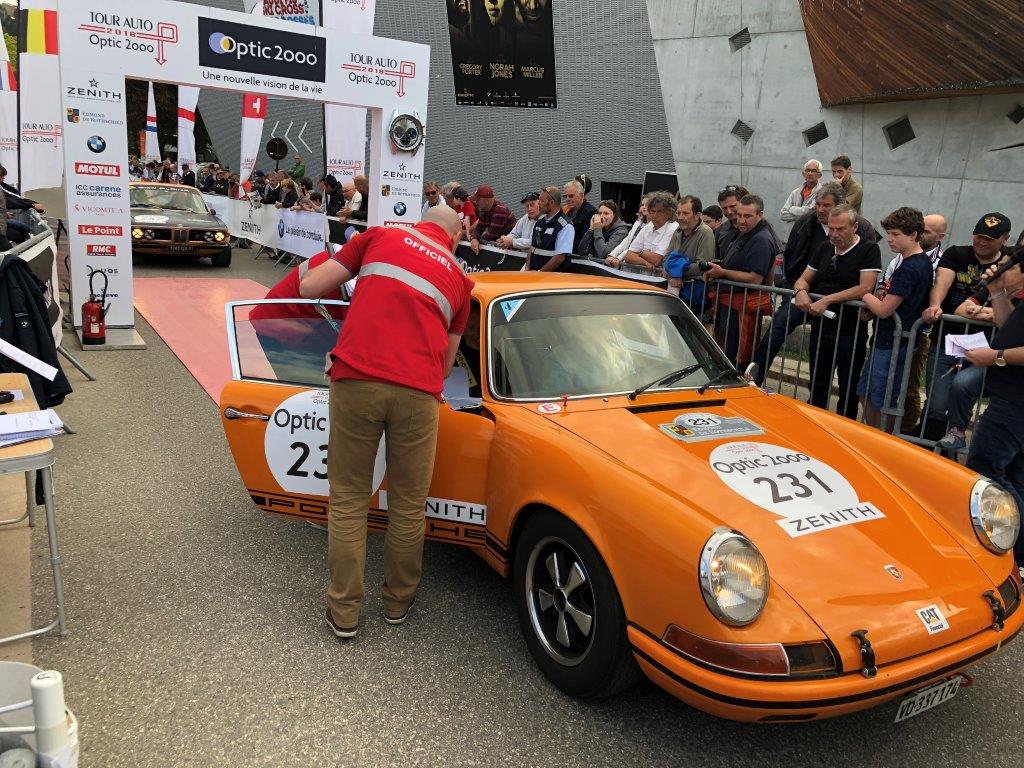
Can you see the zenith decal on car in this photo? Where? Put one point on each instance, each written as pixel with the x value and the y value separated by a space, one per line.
pixel 449 509
pixel 808 495
pixel 933 618
pixel 698 427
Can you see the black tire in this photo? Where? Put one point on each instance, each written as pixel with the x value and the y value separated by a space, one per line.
pixel 222 259
pixel 595 663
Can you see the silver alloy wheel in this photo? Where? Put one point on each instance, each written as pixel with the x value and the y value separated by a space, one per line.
pixel 560 601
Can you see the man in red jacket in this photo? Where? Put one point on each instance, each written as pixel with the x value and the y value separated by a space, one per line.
pixel 396 347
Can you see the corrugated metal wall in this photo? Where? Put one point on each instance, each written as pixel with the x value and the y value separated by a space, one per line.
pixel 610 122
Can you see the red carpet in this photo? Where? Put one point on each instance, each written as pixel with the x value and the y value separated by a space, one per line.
pixel 188 313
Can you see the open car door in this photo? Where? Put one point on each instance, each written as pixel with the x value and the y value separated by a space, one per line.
pixel 276 418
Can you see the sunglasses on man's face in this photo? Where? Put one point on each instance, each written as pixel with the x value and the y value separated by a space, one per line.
pixel 431 193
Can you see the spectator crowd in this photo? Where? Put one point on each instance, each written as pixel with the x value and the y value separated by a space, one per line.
pixel 755 286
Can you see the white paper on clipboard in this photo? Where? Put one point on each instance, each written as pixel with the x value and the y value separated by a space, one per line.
pixel 48 372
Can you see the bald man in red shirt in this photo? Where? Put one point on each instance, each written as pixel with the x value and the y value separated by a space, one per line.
pixel 396 347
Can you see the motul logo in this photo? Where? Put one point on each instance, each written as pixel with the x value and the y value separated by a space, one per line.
pixel 97 249
pixel 97 169
pixel 104 230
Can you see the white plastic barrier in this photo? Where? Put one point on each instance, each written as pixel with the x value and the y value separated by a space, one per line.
pixel 298 232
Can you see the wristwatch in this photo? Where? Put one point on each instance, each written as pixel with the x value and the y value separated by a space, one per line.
pixel 1000 360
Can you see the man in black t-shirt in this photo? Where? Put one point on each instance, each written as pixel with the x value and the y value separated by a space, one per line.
pixel 958 276
pixel 997 448
pixel 844 269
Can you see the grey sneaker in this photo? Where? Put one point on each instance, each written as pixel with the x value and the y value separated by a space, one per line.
pixel 396 620
pixel 955 440
pixel 345 633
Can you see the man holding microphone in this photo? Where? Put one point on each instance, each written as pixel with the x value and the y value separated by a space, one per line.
pixel 396 347
pixel 997 447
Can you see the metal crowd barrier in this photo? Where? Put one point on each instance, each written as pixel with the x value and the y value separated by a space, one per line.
pixel 790 369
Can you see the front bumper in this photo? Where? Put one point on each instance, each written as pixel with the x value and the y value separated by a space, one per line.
pixel 749 700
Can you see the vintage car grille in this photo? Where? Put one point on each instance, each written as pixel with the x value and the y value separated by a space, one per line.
pixel 159 234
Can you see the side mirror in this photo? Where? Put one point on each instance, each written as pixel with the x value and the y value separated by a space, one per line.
pixel 210 210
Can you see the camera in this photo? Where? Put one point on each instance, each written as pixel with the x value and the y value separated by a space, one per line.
pixel 704 266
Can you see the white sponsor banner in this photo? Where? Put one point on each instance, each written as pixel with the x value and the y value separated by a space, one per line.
pixel 97 193
pixel 254 111
pixel 298 232
pixel 188 98
pixel 152 149
pixel 401 180
pixel 345 141
pixel 350 16
pixel 8 117
pixel 42 119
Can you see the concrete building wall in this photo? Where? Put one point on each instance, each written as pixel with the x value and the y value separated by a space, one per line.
pixel 610 122
pixel 770 85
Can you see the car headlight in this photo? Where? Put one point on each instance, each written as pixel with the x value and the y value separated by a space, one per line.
pixel 136 234
pixel 733 578
pixel 995 516
pixel 220 237
pixel 149 234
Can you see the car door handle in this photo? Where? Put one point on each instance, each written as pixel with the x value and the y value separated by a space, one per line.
pixel 234 413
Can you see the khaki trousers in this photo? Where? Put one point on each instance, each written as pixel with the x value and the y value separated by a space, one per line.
pixel 913 404
pixel 360 412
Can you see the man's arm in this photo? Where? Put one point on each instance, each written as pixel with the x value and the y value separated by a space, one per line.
pixel 882 308
pixel 802 289
pixel 972 310
pixel 321 280
pixel 944 278
pixel 737 276
pixel 855 197
pixel 453 348
pixel 553 263
pixel 868 279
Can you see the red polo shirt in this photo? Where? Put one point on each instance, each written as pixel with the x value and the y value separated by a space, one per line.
pixel 412 293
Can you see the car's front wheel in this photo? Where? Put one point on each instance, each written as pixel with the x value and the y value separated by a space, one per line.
pixel 222 259
pixel 569 610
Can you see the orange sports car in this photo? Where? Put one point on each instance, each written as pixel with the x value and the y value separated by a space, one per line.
pixel 759 558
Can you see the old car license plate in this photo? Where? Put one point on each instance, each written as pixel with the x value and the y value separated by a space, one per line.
pixel 928 698
pixel 180 248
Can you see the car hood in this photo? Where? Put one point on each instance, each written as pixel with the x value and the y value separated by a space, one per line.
pixel 846 542
pixel 161 217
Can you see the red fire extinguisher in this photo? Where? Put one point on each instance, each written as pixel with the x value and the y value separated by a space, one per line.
pixel 94 311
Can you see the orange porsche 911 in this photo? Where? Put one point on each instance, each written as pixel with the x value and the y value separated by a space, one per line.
pixel 759 558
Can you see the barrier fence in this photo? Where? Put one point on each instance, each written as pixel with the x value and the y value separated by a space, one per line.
pixel 302 233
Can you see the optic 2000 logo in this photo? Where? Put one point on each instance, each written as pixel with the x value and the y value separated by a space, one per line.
pixel 131 34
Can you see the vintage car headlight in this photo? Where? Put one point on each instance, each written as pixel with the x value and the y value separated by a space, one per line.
pixel 995 516
pixel 733 578
pixel 136 234
pixel 220 237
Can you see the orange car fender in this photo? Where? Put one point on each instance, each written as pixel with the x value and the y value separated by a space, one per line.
pixel 649 540
pixel 939 486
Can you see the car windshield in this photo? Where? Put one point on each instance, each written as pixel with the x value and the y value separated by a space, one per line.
pixel 543 346
pixel 168 198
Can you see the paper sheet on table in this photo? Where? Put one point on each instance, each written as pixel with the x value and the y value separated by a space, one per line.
pixel 959 345
pixel 48 372
pixel 33 425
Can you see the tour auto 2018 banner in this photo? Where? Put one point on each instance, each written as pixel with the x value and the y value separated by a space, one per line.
pixel 503 52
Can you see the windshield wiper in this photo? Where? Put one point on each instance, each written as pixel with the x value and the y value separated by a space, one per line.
pixel 144 205
pixel 666 379
pixel 715 379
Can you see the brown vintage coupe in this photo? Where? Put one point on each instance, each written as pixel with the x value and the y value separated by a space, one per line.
pixel 174 220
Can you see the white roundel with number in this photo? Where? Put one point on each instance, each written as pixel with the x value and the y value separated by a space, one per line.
pixel 296 445
pixel 809 495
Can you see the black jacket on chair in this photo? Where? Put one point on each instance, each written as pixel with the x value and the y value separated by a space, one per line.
pixel 25 324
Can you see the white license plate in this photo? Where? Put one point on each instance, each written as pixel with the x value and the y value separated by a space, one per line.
pixel 928 698
pixel 180 248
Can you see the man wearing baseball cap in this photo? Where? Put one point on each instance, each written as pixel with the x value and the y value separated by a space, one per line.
pixel 494 218
pixel 958 276
pixel 521 236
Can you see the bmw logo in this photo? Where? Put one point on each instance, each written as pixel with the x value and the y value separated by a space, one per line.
pixel 280 228
pixel 221 43
pixel 96 144
pixel 400 209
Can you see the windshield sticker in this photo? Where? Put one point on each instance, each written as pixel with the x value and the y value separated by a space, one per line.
pixel 808 495
pixel 509 308
pixel 933 618
pixel 699 427
pixel 147 218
